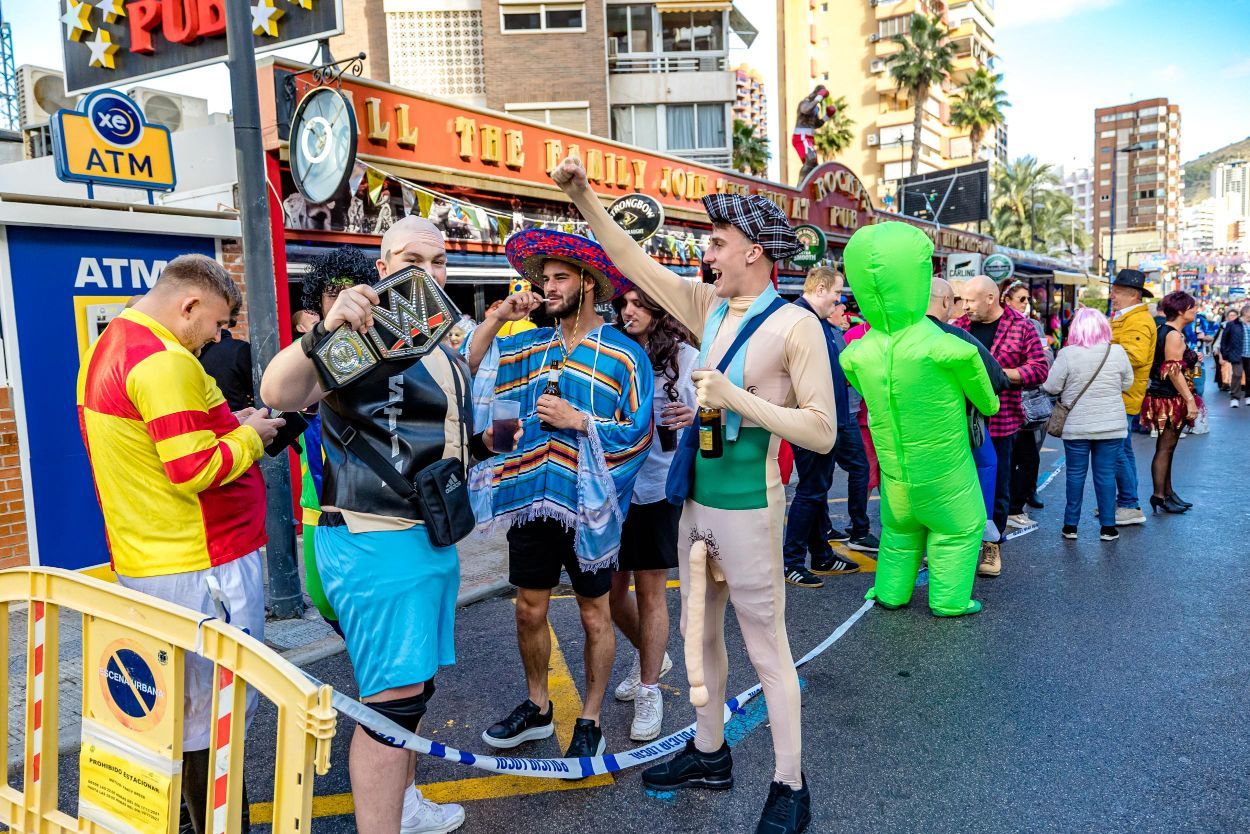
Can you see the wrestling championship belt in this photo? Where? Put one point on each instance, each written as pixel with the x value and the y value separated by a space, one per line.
pixel 414 315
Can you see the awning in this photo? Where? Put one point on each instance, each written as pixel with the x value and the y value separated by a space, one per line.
pixel 742 27
pixel 693 6
pixel 1077 279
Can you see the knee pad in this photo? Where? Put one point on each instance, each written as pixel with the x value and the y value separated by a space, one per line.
pixel 406 712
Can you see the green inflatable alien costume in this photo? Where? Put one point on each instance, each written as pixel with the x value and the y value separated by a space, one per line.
pixel 915 379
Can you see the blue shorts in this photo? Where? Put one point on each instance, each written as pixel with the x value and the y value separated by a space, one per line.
pixel 395 595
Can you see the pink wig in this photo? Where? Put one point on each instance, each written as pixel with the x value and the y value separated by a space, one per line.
pixel 1089 328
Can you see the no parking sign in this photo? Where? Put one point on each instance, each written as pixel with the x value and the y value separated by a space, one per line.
pixel 131 730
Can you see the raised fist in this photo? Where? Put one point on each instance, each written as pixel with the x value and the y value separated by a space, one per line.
pixel 570 174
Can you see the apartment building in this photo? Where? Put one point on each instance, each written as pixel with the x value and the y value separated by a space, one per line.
pixel 751 105
pixel 1137 150
pixel 1078 184
pixel 1230 185
pixel 844 45
pixel 652 74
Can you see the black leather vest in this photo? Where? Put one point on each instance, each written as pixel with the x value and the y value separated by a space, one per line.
pixel 400 409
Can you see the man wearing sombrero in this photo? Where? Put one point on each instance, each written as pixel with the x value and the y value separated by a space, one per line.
pixel 777 386
pixel 565 489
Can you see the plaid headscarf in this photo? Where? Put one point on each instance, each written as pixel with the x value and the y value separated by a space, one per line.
pixel 757 218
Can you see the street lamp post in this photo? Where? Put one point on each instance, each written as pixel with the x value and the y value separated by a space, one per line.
pixel 1115 167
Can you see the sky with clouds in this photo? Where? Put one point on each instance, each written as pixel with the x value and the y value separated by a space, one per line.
pixel 1060 60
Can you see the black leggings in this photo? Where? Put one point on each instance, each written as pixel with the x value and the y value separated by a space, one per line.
pixel 1161 466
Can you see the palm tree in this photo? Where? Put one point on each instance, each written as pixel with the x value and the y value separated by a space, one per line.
pixel 835 135
pixel 924 62
pixel 1028 211
pixel 979 106
pixel 751 153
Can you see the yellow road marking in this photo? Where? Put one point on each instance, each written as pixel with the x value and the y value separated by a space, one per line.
pixel 866 563
pixel 568 706
pixel 671 584
pixel 843 500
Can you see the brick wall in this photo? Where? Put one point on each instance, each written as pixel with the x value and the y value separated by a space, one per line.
pixel 13 548
pixel 548 66
pixel 364 30
pixel 232 259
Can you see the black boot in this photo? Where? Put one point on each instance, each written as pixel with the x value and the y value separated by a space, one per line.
pixel 692 768
pixel 787 811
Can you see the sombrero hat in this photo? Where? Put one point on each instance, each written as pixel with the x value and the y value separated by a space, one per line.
pixel 527 251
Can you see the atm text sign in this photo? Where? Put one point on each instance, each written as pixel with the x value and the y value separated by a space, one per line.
pixel 108 142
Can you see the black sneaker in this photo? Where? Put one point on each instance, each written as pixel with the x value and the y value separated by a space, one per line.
pixel 692 768
pixel 802 577
pixel 1069 531
pixel 1035 502
pixel 587 740
pixel 525 723
pixel 787 811
pixel 834 567
pixel 836 535
pixel 1109 534
pixel 866 543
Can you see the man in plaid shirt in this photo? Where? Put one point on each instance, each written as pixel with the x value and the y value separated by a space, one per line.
pixel 1012 340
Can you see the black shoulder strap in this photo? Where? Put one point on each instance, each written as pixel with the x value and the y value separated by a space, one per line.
pixel 748 330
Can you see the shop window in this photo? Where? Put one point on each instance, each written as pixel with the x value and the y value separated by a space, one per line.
pixel 543 17
pixel 692 31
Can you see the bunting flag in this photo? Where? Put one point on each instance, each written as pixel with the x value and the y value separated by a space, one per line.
pixel 377 181
pixel 504 225
pixel 425 202
pixel 493 225
pixel 479 218
pixel 358 174
pixel 409 196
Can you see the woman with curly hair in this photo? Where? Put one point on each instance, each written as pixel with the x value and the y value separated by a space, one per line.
pixel 649 537
pixel 1170 404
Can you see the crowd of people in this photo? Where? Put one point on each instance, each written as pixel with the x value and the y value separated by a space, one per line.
pixel 614 453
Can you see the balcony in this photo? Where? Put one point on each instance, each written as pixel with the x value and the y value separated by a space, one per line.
pixel 716 157
pixel 666 63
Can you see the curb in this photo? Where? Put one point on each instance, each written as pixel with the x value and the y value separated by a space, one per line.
pixel 332 645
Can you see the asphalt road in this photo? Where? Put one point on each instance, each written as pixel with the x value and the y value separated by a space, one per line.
pixel 1103 688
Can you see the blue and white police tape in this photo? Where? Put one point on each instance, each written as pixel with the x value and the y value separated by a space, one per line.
pixel 577 768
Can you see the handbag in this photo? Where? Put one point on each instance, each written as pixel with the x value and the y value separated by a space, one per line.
pixel 1059 416
pixel 1037 405
pixel 976 428
pixel 681 470
pixel 439 492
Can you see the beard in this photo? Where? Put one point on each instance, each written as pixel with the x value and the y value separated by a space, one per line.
pixel 563 307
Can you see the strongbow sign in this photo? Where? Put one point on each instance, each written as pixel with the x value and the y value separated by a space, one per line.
pixel 639 215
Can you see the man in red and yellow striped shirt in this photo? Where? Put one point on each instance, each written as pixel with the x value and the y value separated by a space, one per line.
pixel 175 471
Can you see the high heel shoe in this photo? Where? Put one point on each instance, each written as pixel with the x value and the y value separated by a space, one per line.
pixel 1176 499
pixel 1165 504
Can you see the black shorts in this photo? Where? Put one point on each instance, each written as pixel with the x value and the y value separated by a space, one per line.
pixel 649 537
pixel 538 549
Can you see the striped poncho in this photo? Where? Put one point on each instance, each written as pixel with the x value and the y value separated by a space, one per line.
pixel 582 480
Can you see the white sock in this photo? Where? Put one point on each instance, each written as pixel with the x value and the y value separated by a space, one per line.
pixel 650 687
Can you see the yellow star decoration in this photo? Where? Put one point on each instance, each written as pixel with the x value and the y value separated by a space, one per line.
pixel 103 50
pixel 112 10
pixel 265 18
pixel 77 20
pixel 306 5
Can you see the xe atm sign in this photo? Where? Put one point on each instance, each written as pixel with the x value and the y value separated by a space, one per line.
pixel 107 142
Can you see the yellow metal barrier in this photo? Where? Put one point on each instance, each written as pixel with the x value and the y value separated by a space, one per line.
pixel 131 753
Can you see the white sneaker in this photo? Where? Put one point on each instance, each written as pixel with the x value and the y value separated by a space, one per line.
pixel 648 713
pixel 421 816
pixel 625 690
pixel 1020 521
pixel 1124 516
pixel 1233 403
